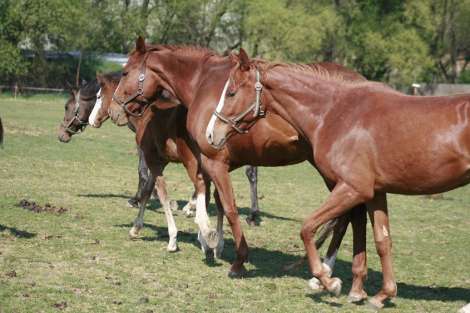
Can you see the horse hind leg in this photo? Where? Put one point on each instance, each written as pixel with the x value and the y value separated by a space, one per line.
pixel 359 264
pixel 146 182
pixel 145 196
pixel 252 174
pixel 378 213
pixel 342 199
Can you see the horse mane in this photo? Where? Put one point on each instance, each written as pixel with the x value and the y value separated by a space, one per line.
pixel 90 89
pixel 328 72
pixel 183 50
pixel 113 76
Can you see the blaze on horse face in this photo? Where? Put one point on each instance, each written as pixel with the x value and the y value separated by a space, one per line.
pixel 240 104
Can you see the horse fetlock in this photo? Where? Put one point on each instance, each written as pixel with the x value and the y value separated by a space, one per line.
pixel 335 286
pixel 219 249
pixel 390 289
pixel 134 231
pixel 172 245
pixel 315 284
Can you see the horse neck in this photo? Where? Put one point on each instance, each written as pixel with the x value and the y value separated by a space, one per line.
pixel 185 73
pixel 300 98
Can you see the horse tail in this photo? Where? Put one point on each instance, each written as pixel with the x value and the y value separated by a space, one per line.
pixel 1 133
pixel 325 232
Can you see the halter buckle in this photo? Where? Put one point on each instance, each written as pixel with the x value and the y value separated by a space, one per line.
pixel 141 77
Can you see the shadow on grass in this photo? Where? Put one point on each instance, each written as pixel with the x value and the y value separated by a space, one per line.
pixel 17 233
pixel 269 264
pixel 103 195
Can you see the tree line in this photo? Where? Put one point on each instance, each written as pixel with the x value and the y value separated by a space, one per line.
pixel 395 41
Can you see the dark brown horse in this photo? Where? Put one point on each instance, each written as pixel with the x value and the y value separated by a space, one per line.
pixel 196 77
pixel 366 139
pixel 78 108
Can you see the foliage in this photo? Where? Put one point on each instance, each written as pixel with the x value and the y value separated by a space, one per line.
pixel 395 41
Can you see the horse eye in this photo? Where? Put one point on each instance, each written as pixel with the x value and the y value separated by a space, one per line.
pixel 231 93
pixel 124 73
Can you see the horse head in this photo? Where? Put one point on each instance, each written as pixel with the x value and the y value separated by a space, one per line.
pixel 239 106
pixel 108 84
pixel 139 87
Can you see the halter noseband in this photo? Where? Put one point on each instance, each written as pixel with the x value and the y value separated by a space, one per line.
pixel 139 93
pixel 234 121
pixel 76 117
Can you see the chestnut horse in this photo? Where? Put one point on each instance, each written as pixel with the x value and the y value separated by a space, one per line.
pixel 78 108
pixel 162 136
pixel 366 139
pixel 196 77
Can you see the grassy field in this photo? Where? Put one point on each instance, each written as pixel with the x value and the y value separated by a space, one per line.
pixel 83 261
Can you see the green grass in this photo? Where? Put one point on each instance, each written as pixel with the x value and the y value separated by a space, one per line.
pixel 85 259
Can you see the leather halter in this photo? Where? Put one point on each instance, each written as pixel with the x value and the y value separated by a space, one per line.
pixel 139 93
pixel 234 121
pixel 76 117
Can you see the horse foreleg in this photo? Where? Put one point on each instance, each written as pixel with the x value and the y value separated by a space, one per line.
pixel 252 174
pixel 340 201
pixel 218 171
pixel 378 213
pixel 160 188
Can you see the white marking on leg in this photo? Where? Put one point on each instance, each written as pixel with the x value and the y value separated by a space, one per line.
pixel 465 309
pixel 384 230
pixel 172 230
pixel 330 261
pixel 96 108
pixel 218 109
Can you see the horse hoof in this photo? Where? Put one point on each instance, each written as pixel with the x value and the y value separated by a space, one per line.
pixel 335 288
pixel 172 248
pixel 354 297
pixel 173 205
pixel 237 274
pixel 375 304
pixel 132 203
pixel 134 232
pixel 315 284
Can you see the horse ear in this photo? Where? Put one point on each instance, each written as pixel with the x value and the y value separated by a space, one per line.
pixel 244 60
pixel 140 44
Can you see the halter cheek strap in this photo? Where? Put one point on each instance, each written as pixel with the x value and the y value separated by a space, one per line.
pixel 138 93
pixel 234 121
pixel 76 117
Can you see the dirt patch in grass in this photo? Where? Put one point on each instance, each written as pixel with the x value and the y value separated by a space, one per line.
pixel 36 208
